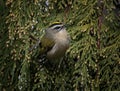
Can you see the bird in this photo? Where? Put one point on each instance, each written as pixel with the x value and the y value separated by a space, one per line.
pixel 56 41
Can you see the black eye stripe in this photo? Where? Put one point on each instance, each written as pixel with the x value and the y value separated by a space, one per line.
pixel 57 27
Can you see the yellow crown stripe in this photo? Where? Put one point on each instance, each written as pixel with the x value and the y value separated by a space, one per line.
pixel 55 23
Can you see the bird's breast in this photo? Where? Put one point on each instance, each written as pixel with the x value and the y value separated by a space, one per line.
pixel 58 50
pixel 61 40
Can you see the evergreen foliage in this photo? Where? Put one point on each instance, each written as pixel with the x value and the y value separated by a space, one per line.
pixel 92 63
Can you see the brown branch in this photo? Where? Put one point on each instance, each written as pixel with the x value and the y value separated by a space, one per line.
pixel 66 12
pixel 99 31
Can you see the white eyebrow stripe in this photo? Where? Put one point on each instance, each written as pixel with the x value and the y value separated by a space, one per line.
pixel 57 26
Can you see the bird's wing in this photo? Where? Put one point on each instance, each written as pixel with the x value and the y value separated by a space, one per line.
pixel 46 44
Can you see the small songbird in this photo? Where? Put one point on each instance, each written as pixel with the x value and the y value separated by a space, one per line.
pixel 55 41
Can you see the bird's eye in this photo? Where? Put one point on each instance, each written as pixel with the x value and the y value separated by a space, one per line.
pixel 57 28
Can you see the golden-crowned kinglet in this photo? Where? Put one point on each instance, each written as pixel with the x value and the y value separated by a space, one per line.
pixel 56 41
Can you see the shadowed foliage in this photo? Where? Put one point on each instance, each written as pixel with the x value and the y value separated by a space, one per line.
pixel 92 63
